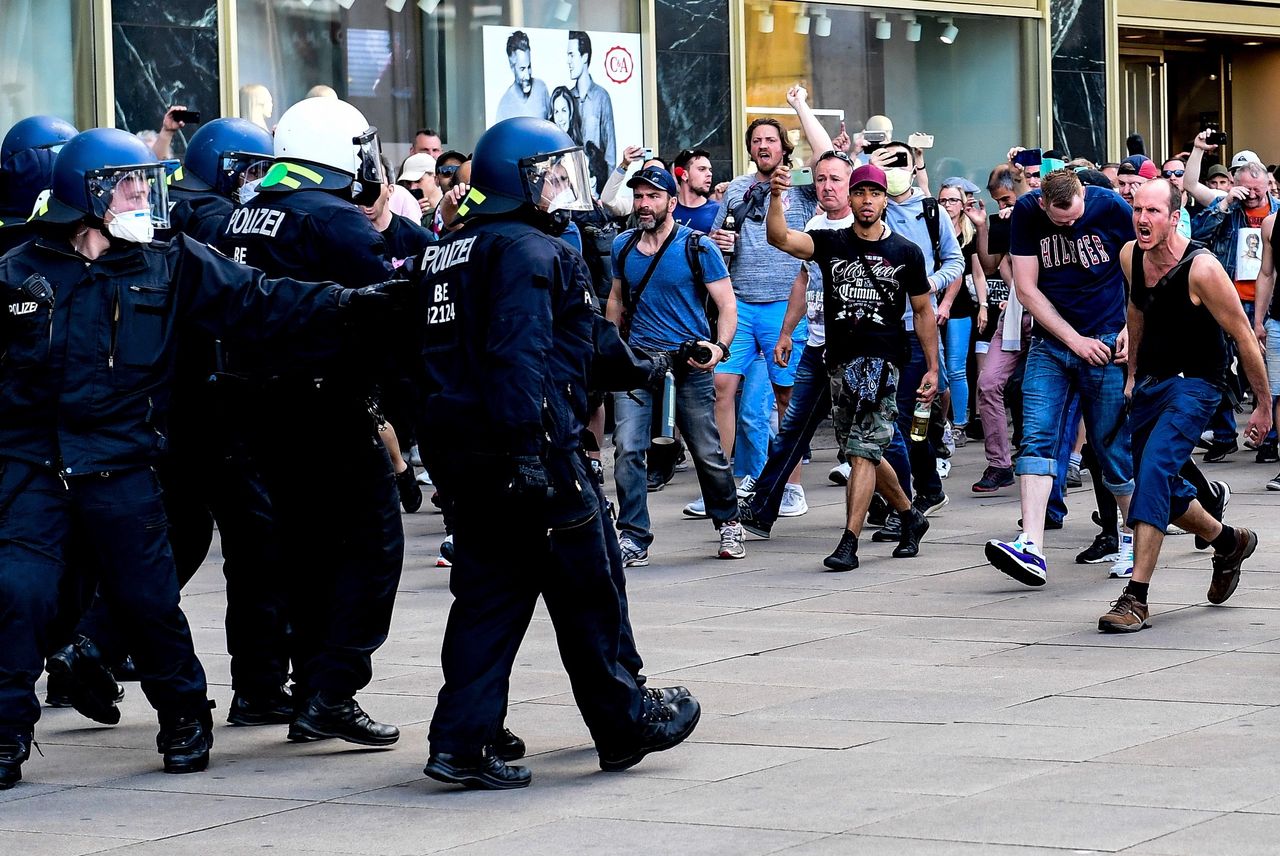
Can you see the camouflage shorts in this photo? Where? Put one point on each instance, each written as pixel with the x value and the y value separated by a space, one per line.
pixel 866 434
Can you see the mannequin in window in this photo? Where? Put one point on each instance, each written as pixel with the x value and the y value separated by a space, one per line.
pixel 256 104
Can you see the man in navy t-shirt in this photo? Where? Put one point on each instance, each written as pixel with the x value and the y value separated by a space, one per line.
pixel 1065 244
pixel 694 181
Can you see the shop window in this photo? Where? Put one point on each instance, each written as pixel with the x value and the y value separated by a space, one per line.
pixel 976 94
pixel 46 57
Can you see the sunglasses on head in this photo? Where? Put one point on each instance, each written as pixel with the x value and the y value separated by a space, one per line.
pixel 836 153
pixel 1173 173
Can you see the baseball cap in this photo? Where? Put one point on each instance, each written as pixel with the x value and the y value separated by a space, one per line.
pixel 417 166
pixel 871 174
pixel 1243 157
pixel 1217 169
pixel 1139 165
pixel 655 176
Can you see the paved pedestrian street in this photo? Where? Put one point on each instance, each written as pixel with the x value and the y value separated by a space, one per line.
pixel 927 706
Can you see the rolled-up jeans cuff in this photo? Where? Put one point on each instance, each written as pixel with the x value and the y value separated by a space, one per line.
pixel 1028 466
pixel 1125 489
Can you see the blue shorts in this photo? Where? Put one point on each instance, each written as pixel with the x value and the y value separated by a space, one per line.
pixel 758 327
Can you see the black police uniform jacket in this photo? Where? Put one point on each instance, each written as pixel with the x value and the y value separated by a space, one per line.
pixel 506 320
pixel 83 379
pixel 198 213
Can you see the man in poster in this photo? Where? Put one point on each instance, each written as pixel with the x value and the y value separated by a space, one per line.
pixel 594 105
pixel 527 96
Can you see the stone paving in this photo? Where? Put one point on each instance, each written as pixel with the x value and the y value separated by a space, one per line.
pixel 926 706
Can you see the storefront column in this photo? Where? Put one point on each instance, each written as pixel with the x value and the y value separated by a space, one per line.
pixel 695 104
pixel 1078 49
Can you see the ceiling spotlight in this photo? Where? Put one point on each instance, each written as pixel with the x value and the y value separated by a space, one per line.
pixel 884 27
pixel 563 10
pixel 396 5
pixel 346 4
pixel 429 6
pixel 949 33
pixel 802 22
pixel 913 27
pixel 822 26
pixel 1252 44
pixel 765 22
pixel 1196 41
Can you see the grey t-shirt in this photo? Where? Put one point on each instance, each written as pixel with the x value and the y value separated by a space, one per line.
pixel 761 273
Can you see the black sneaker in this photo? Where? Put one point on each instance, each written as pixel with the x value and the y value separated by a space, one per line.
pixel 1049 523
pixel 913 529
pixel 993 479
pixel 271 708
pixel 508 746
pixel 14 749
pixel 1267 453
pixel 1218 451
pixel 929 505
pixel 410 491
pixel 845 555
pixel 750 522
pixel 1216 504
pixel 878 511
pixel 654 481
pixel 891 531
pixel 1105 548
pixel 343 719
pixel 185 740
pixel 662 726
pixel 94 692
pixel 481 772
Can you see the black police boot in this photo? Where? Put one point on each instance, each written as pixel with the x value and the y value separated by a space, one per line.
pixel 410 490
pixel 94 692
pixel 270 708
pixel 125 670
pixel 891 530
pixel 480 772
pixel 58 690
pixel 914 525
pixel 508 746
pixel 14 749
pixel 662 726
pixel 666 695
pixel 322 718
pixel 185 740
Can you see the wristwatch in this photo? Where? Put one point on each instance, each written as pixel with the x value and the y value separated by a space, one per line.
pixel 724 349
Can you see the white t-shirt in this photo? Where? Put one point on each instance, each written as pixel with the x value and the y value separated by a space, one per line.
pixel 813 293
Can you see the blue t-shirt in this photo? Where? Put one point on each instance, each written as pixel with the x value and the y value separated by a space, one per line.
pixel 671 310
pixel 1079 264
pixel 701 219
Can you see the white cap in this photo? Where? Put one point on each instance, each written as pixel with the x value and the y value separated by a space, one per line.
pixel 416 166
pixel 1243 157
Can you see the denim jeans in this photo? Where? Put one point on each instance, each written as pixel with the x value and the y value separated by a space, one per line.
pixel 955 335
pixel 755 406
pixel 810 403
pixel 1167 419
pixel 1057 508
pixel 920 461
pixel 695 417
pixel 1223 421
pixel 1053 374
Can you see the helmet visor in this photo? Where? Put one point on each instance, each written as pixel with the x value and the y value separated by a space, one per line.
pixel 558 181
pixel 243 167
pixel 121 189
pixel 369 150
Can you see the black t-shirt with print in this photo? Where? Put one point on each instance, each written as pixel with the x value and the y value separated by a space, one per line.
pixel 865 289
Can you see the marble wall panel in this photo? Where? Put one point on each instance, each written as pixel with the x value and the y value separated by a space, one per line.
pixel 693 86
pixel 1078 49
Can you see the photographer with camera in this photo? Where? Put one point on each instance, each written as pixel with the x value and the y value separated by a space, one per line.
pixel 661 303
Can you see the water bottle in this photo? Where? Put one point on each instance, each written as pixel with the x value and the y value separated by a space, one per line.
pixel 664 429
pixel 920 422
pixel 730 225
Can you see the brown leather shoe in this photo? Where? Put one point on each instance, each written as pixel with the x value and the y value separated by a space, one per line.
pixel 1226 566
pixel 1127 615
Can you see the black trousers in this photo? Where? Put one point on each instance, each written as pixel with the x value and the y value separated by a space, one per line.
pixel 122 518
pixel 494 599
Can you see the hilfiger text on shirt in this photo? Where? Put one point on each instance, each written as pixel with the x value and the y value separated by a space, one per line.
pixel 1062 250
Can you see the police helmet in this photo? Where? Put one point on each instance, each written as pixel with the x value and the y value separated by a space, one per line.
pixel 220 153
pixel 96 169
pixel 527 162
pixel 35 132
pixel 334 136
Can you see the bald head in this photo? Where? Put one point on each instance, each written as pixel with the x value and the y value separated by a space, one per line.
pixel 1161 193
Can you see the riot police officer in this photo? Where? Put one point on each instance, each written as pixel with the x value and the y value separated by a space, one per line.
pixel 26 168
pixel 506 319
pixel 209 472
pixel 93 309
pixel 346 545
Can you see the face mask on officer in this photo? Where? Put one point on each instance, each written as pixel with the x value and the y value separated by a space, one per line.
pixel 130 211
pixel 247 191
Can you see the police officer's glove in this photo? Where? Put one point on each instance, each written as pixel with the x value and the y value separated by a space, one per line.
pixel 529 480
pixel 661 364
pixel 376 301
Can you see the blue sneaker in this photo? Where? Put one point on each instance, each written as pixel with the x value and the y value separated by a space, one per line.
pixel 1021 560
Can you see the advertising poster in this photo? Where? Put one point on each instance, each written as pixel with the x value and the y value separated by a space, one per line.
pixel 587 82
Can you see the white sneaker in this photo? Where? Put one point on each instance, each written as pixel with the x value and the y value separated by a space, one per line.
pixel 697 508
pixel 633 555
pixel 944 468
pixel 424 477
pixel 732 542
pixel 1173 529
pixel 414 458
pixel 1123 567
pixel 793 502
pixel 948 440
pixel 445 559
pixel 747 487
pixel 840 474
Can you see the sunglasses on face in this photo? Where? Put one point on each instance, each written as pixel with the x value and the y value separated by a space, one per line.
pixel 1173 173
pixel 447 171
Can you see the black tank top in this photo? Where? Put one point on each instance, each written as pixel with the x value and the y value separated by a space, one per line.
pixel 1178 337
